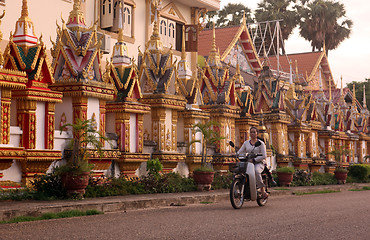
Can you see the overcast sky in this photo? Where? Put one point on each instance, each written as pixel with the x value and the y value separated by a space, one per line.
pixel 352 58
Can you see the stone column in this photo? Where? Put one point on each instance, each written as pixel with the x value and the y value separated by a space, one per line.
pixel 158 127
pixel 102 118
pixel 49 126
pixel 140 133
pixel 174 130
pixel 26 120
pixel 5 115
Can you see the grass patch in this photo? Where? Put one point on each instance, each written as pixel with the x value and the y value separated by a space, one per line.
pixel 45 216
pixel 316 192
pixel 281 189
pixel 361 189
pixel 205 202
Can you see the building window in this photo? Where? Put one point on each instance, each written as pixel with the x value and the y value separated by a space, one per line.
pixel 109 16
pixel 170 33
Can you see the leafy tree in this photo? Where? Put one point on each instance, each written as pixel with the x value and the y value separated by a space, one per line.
pixel 324 21
pixel 209 137
pixel 229 15
pixel 359 86
pixel 278 10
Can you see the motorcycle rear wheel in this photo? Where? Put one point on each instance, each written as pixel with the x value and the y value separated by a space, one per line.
pixel 236 194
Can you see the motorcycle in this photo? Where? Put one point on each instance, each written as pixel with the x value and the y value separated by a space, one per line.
pixel 243 187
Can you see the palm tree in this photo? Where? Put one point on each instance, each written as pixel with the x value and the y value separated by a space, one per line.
pixel 339 153
pixel 209 137
pixel 322 22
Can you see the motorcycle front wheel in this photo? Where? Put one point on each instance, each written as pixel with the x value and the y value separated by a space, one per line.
pixel 260 201
pixel 236 194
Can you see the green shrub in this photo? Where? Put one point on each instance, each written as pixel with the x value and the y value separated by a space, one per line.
pixel 103 187
pixel 154 167
pixel 48 187
pixel 203 169
pixel 167 183
pixel 285 169
pixel 16 194
pixel 360 172
pixel 302 178
pixel 323 179
pixel 222 181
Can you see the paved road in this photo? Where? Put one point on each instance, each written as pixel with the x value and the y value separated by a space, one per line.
pixel 344 215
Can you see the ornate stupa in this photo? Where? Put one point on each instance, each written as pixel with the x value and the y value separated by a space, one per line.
pixel 126 111
pixel 36 102
pixel 77 72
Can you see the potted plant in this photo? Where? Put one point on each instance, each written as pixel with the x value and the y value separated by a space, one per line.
pixel 75 173
pixel 340 172
pixel 285 175
pixel 203 175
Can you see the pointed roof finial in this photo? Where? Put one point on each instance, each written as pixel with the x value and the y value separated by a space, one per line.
pixel 214 56
pixel 24 13
pixel 120 26
pixel 290 72
pixel 24 33
pixel 76 16
pixel 213 49
pixel 354 94
pixel 364 99
pixel 183 52
pixel 330 90
pixel 244 20
pixel 341 86
pixel 324 47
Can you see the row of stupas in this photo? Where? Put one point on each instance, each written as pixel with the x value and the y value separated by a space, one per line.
pixel 148 107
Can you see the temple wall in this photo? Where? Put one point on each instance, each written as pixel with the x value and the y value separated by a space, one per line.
pixel 40 125
pixel 93 110
pixel 133 132
pixel 63 108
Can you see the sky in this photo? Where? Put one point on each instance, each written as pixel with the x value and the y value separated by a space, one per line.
pixel 351 59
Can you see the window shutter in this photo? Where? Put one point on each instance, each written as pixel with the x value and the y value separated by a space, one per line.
pixel 191 38
pixel 106 13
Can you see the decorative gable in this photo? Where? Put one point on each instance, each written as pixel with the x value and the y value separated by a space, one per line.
pixel 172 12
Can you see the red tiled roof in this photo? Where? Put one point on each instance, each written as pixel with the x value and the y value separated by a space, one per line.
pixel 224 36
pixel 305 62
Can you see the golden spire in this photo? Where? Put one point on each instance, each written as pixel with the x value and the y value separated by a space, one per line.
pixel 354 95
pixel 24 13
pixel 364 99
pixel 330 90
pixel 183 53
pixel 155 43
pixel 341 86
pixel 296 70
pixel 214 56
pixel 1 38
pixel 120 27
pixel 24 30
pixel 76 16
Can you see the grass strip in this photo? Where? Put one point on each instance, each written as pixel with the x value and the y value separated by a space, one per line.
pixel 360 189
pixel 205 202
pixel 45 216
pixel 281 189
pixel 316 192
